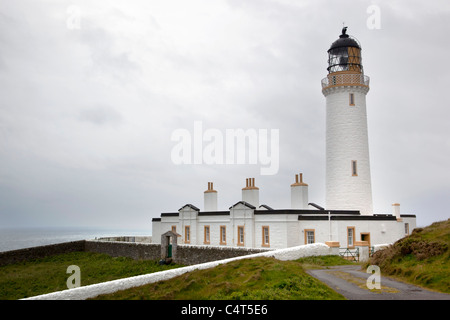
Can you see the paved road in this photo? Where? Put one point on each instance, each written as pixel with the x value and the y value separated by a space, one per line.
pixel 350 281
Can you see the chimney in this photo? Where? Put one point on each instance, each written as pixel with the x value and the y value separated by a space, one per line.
pixel 250 193
pixel 396 209
pixel 299 193
pixel 210 197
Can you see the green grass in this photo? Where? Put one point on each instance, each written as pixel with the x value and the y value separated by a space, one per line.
pixel 246 279
pixel 323 261
pixel 47 275
pixel 422 258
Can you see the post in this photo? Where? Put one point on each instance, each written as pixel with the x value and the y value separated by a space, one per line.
pixel 329 224
pixel 164 246
pixel 334 247
pixel 363 248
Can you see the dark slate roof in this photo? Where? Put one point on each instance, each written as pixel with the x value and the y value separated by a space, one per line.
pixel 266 206
pixel 214 213
pixel 348 217
pixel 303 214
pixel 309 212
pixel 244 203
pixel 190 206
pixel 170 214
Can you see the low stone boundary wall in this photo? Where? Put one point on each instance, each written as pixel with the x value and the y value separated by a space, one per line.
pixel 144 239
pixel 33 253
pixel 134 250
pixel 186 255
pixel 191 254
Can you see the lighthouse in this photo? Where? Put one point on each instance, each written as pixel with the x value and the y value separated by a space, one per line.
pixel 348 181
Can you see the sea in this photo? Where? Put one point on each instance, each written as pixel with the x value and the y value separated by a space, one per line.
pixel 20 238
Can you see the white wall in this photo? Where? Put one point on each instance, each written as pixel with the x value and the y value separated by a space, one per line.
pixel 156 232
pixel 285 230
pixel 347 140
pixel 188 217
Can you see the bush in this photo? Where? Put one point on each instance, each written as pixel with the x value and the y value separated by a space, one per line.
pixel 421 258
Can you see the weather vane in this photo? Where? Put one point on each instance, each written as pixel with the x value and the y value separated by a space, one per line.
pixel 344 28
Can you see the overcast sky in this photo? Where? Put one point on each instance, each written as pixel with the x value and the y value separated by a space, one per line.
pixel 91 93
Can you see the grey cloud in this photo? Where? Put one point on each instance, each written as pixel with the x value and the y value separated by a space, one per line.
pixel 87 115
pixel 101 115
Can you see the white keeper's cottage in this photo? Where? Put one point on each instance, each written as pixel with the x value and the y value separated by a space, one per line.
pixel 348 216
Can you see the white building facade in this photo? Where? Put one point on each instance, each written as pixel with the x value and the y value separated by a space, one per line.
pixel 263 227
pixel 348 217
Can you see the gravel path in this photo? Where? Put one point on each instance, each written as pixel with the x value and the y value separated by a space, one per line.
pixel 350 281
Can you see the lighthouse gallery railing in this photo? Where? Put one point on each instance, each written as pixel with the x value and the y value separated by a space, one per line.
pixel 345 79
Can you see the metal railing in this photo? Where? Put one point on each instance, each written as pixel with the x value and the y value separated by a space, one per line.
pixel 349 254
pixel 345 79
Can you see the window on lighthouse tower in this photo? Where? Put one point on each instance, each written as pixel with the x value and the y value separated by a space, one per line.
pixel 351 99
pixel 354 168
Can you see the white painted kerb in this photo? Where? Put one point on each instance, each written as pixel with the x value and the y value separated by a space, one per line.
pixel 91 291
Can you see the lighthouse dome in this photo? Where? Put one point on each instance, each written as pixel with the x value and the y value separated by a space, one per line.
pixel 345 41
pixel 345 54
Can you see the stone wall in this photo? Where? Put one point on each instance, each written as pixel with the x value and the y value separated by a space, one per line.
pixel 134 250
pixel 189 255
pixel 145 239
pixel 33 253
pixel 186 254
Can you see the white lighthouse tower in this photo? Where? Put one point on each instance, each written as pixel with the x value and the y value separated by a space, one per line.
pixel 348 182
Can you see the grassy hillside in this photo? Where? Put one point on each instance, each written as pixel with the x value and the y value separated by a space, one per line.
pixel 246 279
pixel 264 278
pixel 27 279
pixel 421 258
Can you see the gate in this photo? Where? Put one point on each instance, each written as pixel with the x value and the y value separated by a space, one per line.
pixel 349 254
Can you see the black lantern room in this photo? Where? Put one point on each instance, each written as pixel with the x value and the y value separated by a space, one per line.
pixel 345 54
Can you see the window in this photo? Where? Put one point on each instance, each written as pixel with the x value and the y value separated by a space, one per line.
pixel 354 168
pixel 174 228
pixel 223 235
pixel 350 237
pixel 265 236
pixel 309 236
pixel 240 235
pixel 406 228
pixel 207 237
pixel 187 234
pixel 351 99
